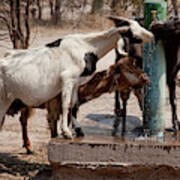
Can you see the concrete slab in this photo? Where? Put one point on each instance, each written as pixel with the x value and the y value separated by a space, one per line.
pixel 113 149
pixel 112 158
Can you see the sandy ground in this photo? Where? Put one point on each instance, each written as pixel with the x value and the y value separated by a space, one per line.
pixel 97 114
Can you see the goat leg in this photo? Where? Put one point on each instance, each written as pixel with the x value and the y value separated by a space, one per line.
pixel 172 89
pixel 138 94
pixel 124 97
pixel 25 113
pixel 117 113
pixel 75 124
pixel 124 118
pixel 117 109
pixel 117 103
pixel 54 110
pixel 53 127
pixel 116 125
pixel 67 93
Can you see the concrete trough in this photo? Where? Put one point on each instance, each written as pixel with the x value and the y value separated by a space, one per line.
pixel 104 157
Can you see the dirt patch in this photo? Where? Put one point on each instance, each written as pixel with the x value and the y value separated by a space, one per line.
pixel 132 172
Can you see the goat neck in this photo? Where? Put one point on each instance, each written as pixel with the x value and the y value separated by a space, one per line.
pixel 105 41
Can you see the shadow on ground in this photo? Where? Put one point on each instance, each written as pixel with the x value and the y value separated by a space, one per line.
pixel 104 124
pixel 11 165
pixel 108 119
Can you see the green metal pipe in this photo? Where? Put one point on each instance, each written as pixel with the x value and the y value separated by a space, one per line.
pixel 155 67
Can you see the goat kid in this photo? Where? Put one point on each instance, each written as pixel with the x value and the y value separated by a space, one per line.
pixel 127 46
pixel 130 49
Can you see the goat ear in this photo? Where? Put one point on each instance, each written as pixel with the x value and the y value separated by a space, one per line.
pixel 119 21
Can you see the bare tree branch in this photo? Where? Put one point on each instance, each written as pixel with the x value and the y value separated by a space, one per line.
pixel 174 2
pixel 19 25
pixel 11 15
pixel 27 25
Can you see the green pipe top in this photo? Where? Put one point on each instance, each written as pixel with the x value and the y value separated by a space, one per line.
pixel 154 5
pixel 154 1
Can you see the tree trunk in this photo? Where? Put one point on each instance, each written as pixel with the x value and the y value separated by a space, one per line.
pixel 174 2
pixel 57 11
pixel 39 9
pixel 19 26
pixel 51 7
pixel 114 6
pixel 114 3
pixel 19 30
pixel 97 5
pixel 33 8
pixel 27 25
pixel 12 27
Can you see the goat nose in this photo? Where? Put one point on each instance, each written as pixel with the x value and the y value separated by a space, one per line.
pixel 144 78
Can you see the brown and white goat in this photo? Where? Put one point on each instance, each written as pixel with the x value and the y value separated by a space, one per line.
pixel 123 75
pixel 130 46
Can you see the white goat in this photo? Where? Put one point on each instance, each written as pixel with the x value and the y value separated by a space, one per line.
pixel 37 75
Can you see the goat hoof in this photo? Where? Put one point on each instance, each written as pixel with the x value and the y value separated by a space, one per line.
pixel 29 152
pixel 67 134
pixel 54 135
pixel 178 126
pixel 114 132
pixel 123 133
pixel 138 131
pixel 173 129
pixel 28 149
pixel 79 132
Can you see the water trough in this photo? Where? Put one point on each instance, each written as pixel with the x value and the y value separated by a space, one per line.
pixel 105 157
